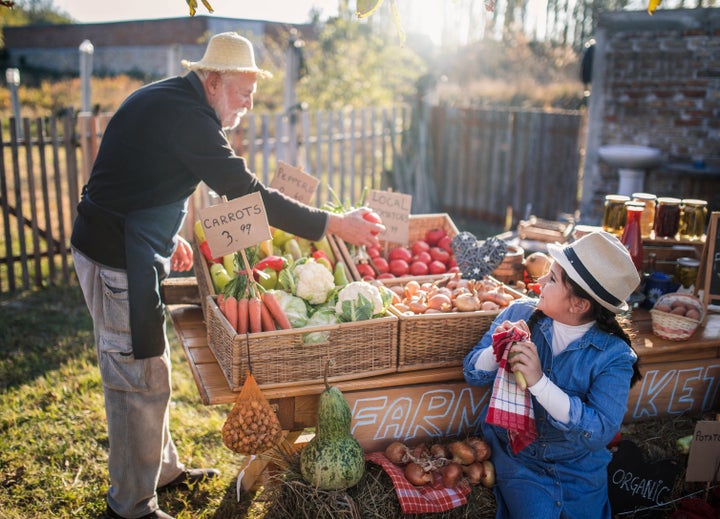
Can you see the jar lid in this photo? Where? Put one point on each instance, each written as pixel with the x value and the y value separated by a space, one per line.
pixel 668 200
pixel 644 196
pixel 617 198
pixel 635 205
pixel 688 262
pixel 694 202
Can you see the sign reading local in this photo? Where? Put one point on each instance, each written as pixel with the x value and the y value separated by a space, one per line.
pixel 394 210
pixel 294 182
pixel 234 225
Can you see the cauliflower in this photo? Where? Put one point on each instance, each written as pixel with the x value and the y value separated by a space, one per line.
pixel 359 301
pixel 314 282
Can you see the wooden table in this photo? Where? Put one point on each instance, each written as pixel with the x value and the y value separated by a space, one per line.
pixel 678 377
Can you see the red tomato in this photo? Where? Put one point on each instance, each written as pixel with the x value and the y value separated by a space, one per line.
pixel 365 270
pixel 399 267
pixel 373 217
pixel 385 275
pixel 419 246
pixel 437 267
pixel 402 253
pixel 373 252
pixel 445 243
pixel 432 236
pixel 418 268
pixel 441 255
pixel 422 256
pixel 381 265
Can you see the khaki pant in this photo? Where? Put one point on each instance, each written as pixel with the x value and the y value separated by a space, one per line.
pixel 137 396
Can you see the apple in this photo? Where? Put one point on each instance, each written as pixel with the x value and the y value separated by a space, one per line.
pixel 433 236
pixel 418 268
pixel 437 267
pixel 399 267
pixel 401 253
pixel 441 255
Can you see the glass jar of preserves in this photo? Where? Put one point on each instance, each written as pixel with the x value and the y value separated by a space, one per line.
pixel 667 217
pixel 647 220
pixel 686 270
pixel 631 237
pixel 614 214
pixel 692 219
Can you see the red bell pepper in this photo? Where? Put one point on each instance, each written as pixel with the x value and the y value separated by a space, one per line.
pixel 205 249
pixel 321 254
pixel 277 263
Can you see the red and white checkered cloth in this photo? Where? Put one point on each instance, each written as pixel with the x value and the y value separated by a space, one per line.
pixel 427 499
pixel 511 407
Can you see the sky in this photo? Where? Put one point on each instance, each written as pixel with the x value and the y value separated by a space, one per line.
pixel 289 11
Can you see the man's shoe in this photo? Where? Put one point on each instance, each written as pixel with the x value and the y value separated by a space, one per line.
pixel 190 477
pixel 157 514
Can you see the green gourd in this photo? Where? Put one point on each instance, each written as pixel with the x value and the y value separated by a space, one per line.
pixel 333 459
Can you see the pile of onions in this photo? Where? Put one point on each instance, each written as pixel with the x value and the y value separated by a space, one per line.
pixel 451 294
pixel 457 461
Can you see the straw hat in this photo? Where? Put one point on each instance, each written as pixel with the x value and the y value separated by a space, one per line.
pixel 228 52
pixel 602 266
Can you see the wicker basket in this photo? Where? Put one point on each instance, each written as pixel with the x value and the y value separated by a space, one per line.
pixel 512 268
pixel 202 274
pixel 428 341
pixel 281 359
pixel 418 225
pixel 675 327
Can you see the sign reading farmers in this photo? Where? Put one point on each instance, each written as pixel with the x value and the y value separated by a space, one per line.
pixel 394 210
pixel 234 225
pixel 294 182
pixel 634 482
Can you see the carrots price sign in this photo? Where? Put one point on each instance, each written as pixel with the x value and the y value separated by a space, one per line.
pixel 234 225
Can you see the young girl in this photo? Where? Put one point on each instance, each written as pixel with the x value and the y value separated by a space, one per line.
pixel 578 364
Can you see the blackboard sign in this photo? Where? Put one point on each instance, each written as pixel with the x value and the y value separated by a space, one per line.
pixel 636 483
pixel 711 261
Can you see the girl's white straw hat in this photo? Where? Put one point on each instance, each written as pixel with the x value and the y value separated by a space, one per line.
pixel 228 52
pixel 602 266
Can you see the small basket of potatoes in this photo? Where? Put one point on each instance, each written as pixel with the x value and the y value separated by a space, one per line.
pixel 676 316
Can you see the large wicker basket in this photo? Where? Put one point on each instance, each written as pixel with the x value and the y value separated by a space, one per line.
pixel 280 358
pixel 675 327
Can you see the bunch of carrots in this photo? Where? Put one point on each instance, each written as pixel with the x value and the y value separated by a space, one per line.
pixel 248 307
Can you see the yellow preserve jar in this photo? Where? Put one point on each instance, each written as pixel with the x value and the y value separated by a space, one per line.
pixel 615 214
pixel 692 219
pixel 647 220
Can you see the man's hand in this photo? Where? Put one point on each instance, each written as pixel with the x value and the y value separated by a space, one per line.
pixel 353 228
pixel 182 258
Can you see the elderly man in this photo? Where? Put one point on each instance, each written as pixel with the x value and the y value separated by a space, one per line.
pixel 162 141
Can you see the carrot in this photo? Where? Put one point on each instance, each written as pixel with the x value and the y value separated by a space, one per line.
pixel 268 325
pixel 254 314
pixel 242 313
pixel 231 311
pixel 276 310
pixel 221 302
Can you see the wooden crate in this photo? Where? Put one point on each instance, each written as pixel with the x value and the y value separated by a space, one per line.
pixel 202 274
pixel 281 359
pixel 419 224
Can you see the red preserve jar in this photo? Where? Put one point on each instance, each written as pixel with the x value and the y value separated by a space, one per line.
pixel 632 235
pixel 667 217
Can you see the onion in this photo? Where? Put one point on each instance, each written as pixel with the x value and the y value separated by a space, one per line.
pixel 474 473
pixel 438 451
pixel 488 479
pixel 440 301
pixel 462 453
pixel 467 302
pixel 415 474
pixel 537 264
pixel 481 448
pixel 451 474
pixel 421 451
pixel 397 452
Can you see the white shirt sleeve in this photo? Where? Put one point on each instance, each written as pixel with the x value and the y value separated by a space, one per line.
pixel 555 401
pixel 486 360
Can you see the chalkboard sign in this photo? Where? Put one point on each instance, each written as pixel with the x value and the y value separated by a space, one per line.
pixel 711 261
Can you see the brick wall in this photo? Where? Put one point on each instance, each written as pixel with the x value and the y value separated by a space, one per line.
pixel 656 82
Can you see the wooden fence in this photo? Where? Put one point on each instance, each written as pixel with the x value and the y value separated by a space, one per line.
pixel 475 163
